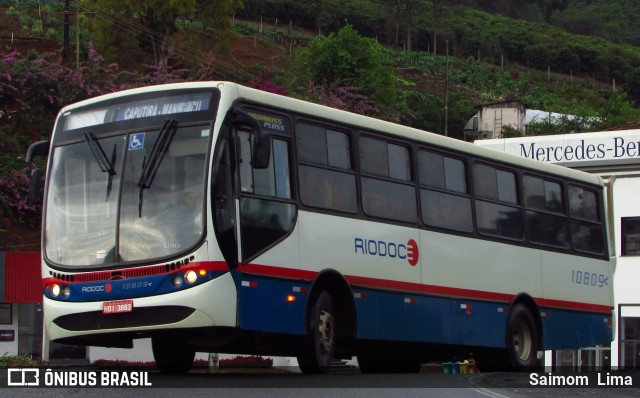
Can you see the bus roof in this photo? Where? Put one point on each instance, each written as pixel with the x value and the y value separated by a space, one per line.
pixel 359 121
pixel 369 123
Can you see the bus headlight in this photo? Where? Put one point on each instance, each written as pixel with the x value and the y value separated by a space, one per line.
pixel 57 290
pixel 191 277
pixel 177 281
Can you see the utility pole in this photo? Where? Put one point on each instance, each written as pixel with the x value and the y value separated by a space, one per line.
pixel 77 33
pixel 446 93
pixel 65 45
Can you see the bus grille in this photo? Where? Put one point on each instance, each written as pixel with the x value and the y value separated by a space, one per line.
pixel 148 316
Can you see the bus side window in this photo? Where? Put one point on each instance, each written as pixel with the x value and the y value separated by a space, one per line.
pixel 327 179
pixel 443 195
pixel 386 180
pixel 275 180
pixel 498 212
pixel 545 220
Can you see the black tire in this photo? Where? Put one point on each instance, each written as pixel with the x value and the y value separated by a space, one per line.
pixel 523 340
pixel 171 356
pixel 318 346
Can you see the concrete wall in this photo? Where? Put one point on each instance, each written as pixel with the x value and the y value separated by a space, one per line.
pixel 627 274
pixel 9 348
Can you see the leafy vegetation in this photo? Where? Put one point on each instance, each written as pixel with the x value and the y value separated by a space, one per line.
pixel 377 57
pixel 347 57
pixel 18 361
pixel 135 33
pixel 33 89
pixel 616 21
pixel 473 32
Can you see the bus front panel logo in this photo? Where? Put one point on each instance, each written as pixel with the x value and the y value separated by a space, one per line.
pixel 405 251
pixel 413 254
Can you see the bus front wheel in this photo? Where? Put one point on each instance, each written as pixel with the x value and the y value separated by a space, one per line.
pixel 172 356
pixel 523 341
pixel 318 346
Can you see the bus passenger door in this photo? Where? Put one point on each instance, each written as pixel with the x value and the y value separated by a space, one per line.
pixel 268 241
pixel 267 211
pixel 223 199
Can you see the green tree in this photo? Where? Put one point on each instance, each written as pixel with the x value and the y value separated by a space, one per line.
pixel 411 9
pixel 135 32
pixel 395 7
pixel 131 32
pixel 213 31
pixel 438 10
pixel 347 57
pixel 617 111
pixel 632 86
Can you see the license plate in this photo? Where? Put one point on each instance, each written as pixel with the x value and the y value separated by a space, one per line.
pixel 117 307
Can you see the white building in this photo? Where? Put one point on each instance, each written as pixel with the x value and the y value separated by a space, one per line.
pixel 490 119
pixel 613 155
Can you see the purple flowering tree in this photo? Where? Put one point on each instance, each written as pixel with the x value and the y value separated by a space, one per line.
pixel 33 89
pixel 14 204
pixel 339 95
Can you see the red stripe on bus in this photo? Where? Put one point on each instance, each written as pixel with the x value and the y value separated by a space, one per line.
pixel 552 303
pixel 429 289
pixel 366 282
pixel 153 270
pixel 360 281
pixel 282 272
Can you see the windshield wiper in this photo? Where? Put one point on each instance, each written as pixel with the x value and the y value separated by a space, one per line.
pixel 105 164
pixel 150 166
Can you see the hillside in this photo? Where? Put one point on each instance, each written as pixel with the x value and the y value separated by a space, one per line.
pixel 14 38
pixel 492 58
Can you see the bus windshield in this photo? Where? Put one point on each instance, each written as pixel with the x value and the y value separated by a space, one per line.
pixel 102 209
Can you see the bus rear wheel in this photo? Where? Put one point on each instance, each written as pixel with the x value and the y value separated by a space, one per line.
pixel 172 356
pixel 523 340
pixel 318 346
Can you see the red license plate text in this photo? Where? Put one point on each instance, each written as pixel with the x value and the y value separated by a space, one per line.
pixel 117 307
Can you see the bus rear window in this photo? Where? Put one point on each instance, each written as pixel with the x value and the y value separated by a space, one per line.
pixel 586 228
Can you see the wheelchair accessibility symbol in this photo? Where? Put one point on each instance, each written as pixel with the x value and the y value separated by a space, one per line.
pixel 136 141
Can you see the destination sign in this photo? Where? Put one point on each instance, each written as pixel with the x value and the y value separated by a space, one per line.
pixel 130 110
pixel 164 106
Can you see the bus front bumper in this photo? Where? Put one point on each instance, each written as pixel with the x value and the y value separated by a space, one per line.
pixel 210 304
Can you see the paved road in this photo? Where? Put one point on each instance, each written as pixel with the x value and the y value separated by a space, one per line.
pixel 343 384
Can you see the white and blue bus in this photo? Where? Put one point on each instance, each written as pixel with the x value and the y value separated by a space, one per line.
pixel 211 217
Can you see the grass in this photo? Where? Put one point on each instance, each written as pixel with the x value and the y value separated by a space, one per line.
pixel 18 361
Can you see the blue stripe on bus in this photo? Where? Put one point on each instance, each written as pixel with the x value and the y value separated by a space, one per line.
pixel 413 318
pixel 118 289
pixel 559 329
pixel 384 315
pixel 263 304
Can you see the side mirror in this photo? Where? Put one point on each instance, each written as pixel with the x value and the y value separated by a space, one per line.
pixel 261 151
pixel 40 148
pixel 35 187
